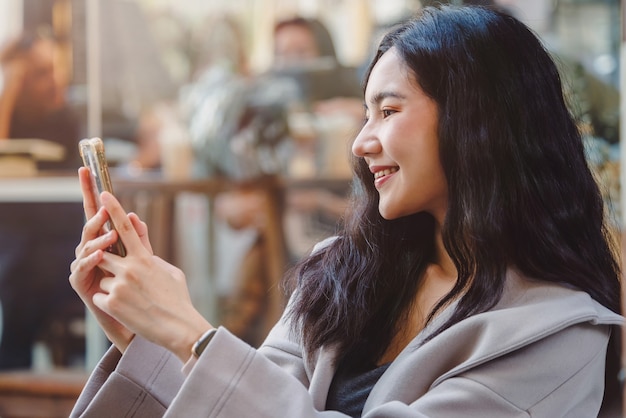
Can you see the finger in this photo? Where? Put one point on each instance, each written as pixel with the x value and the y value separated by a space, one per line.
pixel 90 204
pixel 122 224
pixel 142 230
pixel 81 268
pixel 103 300
pixel 106 284
pixel 103 242
pixel 92 229
pixel 100 301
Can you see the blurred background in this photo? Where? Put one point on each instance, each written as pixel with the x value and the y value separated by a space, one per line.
pixel 149 49
pixel 227 127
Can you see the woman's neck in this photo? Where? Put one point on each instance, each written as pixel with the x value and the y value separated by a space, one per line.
pixel 441 259
pixel 438 279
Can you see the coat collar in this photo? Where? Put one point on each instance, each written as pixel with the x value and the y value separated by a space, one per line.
pixel 528 311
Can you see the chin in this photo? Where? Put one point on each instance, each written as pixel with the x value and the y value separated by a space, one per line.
pixel 388 214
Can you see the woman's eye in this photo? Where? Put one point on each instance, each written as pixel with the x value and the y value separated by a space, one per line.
pixel 388 112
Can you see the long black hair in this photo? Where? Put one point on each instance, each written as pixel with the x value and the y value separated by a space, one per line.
pixel 520 192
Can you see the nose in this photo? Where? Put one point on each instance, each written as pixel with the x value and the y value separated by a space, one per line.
pixel 366 142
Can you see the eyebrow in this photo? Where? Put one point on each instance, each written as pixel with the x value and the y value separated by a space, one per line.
pixel 379 97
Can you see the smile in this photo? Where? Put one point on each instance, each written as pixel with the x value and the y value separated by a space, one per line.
pixel 385 172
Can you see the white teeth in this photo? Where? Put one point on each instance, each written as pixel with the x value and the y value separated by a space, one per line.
pixel 385 172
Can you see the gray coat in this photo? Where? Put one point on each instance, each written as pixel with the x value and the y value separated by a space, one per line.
pixel 539 353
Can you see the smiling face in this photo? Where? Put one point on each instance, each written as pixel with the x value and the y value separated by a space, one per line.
pixel 400 144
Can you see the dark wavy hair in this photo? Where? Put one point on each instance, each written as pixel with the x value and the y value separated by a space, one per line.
pixel 520 192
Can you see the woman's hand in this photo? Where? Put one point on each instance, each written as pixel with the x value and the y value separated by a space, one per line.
pixel 141 293
pixel 85 275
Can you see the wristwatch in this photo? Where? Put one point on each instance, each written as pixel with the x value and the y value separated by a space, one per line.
pixel 199 346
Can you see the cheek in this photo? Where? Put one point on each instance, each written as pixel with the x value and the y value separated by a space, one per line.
pixel 421 170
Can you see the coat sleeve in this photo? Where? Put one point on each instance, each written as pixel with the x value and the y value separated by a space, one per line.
pixel 141 383
pixel 231 379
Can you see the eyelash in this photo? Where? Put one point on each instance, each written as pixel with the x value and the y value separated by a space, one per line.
pixel 385 113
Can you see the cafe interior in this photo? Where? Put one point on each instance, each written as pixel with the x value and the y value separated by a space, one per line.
pixel 234 153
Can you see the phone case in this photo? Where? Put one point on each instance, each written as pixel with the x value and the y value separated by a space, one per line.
pixel 94 158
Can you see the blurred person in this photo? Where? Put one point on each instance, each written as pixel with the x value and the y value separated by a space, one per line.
pixel 299 41
pixel 473 277
pixel 214 58
pixel 33 97
pixel 303 51
pixel 305 45
pixel 36 239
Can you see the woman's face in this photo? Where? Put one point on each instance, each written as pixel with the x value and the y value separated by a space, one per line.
pixel 400 144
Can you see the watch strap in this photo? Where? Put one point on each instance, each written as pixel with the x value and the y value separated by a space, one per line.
pixel 200 345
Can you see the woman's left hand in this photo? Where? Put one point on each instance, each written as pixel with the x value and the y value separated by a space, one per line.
pixel 145 293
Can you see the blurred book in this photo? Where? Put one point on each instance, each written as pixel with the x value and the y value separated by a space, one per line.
pixel 18 157
pixel 17 166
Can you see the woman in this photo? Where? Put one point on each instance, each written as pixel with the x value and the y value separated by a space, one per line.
pixel 473 277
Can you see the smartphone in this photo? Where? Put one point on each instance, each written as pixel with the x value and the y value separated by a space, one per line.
pixel 92 152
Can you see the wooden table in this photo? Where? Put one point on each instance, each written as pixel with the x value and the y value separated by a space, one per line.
pixel 57 188
pixel 50 394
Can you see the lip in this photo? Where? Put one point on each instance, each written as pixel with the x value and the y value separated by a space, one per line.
pixel 378 183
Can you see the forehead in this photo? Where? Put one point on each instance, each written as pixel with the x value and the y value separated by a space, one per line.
pixel 294 32
pixel 389 73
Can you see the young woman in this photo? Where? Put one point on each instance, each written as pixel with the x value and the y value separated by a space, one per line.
pixel 473 277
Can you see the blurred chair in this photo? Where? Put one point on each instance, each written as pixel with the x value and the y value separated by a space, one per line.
pixel 156 206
